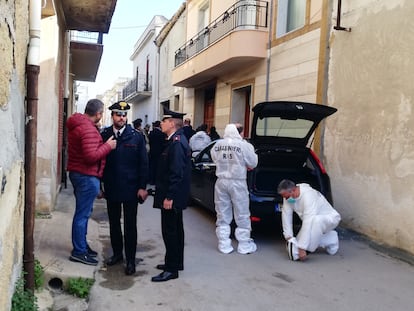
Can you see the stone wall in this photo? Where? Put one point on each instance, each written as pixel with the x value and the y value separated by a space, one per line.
pixel 13 51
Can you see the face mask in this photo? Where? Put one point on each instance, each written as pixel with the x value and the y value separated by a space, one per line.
pixel 291 200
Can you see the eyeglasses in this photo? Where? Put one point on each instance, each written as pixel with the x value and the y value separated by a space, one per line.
pixel 121 114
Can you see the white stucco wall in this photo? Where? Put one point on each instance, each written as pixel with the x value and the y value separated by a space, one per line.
pixel 369 141
pixel 48 116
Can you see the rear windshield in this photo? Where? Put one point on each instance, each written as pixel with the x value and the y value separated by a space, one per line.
pixel 278 127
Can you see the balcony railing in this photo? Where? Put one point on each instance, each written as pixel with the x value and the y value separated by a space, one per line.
pixel 142 83
pixel 86 37
pixel 245 14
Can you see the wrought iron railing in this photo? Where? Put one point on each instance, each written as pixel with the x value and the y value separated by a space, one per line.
pixel 141 83
pixel 244 14
pixel 86 36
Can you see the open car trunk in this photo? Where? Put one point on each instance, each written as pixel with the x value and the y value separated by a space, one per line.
pixel 275 165
pixel 282 133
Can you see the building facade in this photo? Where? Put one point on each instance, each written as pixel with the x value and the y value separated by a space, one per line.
pixel 111 96
pixel 168 41
pixel 40 62
pixel 215 66
pixel 239 53
pixel 140 91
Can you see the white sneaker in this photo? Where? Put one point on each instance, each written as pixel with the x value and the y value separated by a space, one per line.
pixel 247 247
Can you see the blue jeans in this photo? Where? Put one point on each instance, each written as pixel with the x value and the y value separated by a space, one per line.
pixel 85 188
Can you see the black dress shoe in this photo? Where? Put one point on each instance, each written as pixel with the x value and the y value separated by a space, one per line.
pixel 162 267
pixel 114 260
pixel 165 276
pixel 130 268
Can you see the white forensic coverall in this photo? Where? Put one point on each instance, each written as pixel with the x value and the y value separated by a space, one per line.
pixel 233 155
pixel 319 219
pixel 198 142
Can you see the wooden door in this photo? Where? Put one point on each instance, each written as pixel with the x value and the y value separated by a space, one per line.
pixel 209 113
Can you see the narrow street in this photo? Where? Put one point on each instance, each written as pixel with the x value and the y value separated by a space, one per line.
pixel 357 278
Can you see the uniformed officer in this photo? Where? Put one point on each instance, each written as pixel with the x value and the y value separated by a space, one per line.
pixel 172 192
pixel 124 181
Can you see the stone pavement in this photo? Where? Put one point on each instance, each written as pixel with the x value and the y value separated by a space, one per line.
pixel 52 247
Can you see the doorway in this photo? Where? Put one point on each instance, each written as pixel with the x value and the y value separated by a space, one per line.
pixel 209 95
pixel 241 107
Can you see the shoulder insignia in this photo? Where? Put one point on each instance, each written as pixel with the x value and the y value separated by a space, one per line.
pixel 177 138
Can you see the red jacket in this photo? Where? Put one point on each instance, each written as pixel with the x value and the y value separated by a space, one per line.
pixel 86 150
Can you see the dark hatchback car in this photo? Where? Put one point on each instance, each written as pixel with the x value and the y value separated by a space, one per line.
pixel 282 133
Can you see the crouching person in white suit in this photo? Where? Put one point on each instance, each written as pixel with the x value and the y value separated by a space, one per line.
pixel 319 219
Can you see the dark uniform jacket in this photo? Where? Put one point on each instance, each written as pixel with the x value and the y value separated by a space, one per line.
pixel 156 141
pixel 126 168
pixel 188 131
pixel 174 172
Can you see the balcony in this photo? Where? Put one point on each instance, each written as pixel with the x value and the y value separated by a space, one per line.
pixel 91 15
pixel 87 21
pixel 237 38
pixel 86 50
pixel 137 89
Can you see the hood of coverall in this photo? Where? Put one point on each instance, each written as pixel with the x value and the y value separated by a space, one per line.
pixel 231 132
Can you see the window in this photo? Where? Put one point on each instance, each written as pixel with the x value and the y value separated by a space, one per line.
pixel 177 102
pixel 290 16
pixel 278 127
pixel 203 16
pixel 203 21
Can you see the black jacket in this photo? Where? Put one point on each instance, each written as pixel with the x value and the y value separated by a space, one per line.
pixel 126 168
pixel 188 131
pixel 174 172
pixel 156 141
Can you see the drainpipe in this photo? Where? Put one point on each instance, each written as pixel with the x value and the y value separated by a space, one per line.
pixel 269 50
pixel 32 73
pixel 65 108
pixel 67 47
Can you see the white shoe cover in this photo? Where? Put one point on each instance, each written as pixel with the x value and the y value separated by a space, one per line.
pixel 224 241
pixel 246 247
pixel 225 247
pixel 330 242
pixel 332 249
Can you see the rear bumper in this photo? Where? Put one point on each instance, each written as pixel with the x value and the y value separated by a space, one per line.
pixel 264 207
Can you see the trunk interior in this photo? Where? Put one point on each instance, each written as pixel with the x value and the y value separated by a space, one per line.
pixel 282 163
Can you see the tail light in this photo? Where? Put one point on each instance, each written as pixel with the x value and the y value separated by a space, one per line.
pixel 313 154
pixel 255 219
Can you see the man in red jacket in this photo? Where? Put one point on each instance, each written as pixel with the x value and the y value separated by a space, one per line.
pixel 86 161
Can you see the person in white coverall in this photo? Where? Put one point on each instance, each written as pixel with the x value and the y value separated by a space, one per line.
pixel 319 219
pixel 233 157
pixel 199 140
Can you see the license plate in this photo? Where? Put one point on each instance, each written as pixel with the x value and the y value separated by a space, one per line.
pixel 278 208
